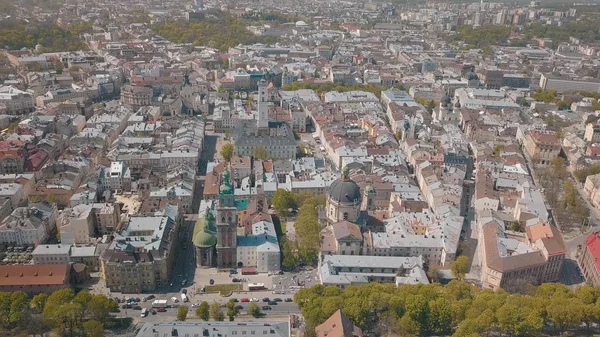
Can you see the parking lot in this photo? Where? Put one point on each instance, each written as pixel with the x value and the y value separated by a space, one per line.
pixel 290 282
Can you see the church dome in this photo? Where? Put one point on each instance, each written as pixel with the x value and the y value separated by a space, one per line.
pixel 203 238
pixel 345 191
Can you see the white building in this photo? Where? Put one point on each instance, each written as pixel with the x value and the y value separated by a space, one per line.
pixel 261 249
pixel 116 177
pixel 17 102
pixel 346 270
pixel 28 225
pixel 52 254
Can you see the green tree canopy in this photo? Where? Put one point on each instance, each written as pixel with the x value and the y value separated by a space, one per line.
pixel 460 267
pixel 254 310
pixel 203 311
pixel 227 151
pixel 182 312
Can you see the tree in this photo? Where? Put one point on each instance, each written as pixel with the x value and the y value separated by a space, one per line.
pixel 282 202
pixel 460 267
pixel 261 153
pixel 308 231
pixel 216 313
pixel 51 198
pixel 227 133
pixel 232 311
pixel 434 274
pixel 58 67
pixel 182 312
pixel 227 152
pixel 203 311
pixel 93 328
pixel 290 259
pixel 38 302
pixel 254 310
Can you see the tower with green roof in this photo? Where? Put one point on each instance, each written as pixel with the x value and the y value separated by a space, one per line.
pixel 226 224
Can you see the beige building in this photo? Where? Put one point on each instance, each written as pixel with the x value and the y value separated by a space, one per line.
pixel 541 146
pixel 513 260
pixel 135 97
pixel 589 261
pixel 342 238
pixel 592 189
pixel 76 225
pixel 140 257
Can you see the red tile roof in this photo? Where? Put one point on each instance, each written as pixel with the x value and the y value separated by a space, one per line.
pixel 593 245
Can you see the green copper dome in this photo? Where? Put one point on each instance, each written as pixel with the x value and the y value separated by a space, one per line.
pixel 203 238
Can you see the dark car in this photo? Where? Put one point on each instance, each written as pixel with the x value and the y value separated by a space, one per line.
pixel 277 299
pixel 266 299
pixel 153 312
pixel 137 299
pixel 211 282
pixel 235 280
pixel 272 303
pixel 126 306
pixel 161 310
pixel 265 307
pixel 137 307
pixel 239 307
pixel 233 272
pixel 289 299
pixel 234 300
pixel 184 291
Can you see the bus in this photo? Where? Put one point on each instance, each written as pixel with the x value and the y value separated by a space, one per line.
pixel 159 304
pixel 256 286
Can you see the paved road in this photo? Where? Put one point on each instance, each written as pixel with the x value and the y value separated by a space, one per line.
pixel 281 309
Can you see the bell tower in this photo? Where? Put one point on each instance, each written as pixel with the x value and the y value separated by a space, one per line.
pixel 226 224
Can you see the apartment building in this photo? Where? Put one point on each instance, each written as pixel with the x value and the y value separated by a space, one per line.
pixel 76 225
pixel 541 146
pixel 140 258
pixel 29 225
pixel 17 102
pixel 589 259
pixel 135 97
pixel 562 84
pixel 52 254
pixel 513 260
pixel 116 177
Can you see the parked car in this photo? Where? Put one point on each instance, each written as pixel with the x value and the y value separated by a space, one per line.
pixel 288 299
pixel 265 307
pixel 239 307
pixel 137 299
pixel 126 306
pixel 211 282
pixel 254 299
pixel 137 307
pixel 152 311
pixel 195 305
pixel 184 291
pixel 266 299
pixel 174 299
pixel 233 272
pixel 235 280
pixel 272 303
pixel 277 299
pixel 234 300
pixel 245 299
pixel 161 309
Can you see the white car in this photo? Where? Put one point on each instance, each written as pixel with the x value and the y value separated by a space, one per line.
pixel 174 299
pixel 254 299
pixel 195 305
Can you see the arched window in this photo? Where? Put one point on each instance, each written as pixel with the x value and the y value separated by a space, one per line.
pixel 345 215
pixel 222 219
pixel 229 219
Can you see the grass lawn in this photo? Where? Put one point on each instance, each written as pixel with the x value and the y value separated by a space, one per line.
pixel 223 288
